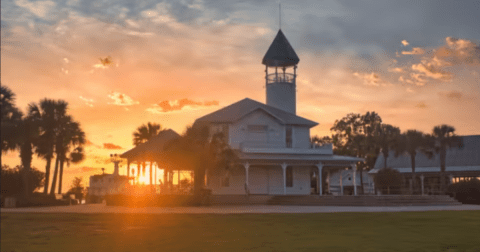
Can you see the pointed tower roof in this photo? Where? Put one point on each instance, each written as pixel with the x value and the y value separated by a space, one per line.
pixel 280 53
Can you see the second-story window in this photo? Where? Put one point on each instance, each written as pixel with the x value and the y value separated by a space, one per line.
pixel 288 137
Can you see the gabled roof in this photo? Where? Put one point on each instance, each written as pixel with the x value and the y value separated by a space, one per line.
pixel 280 52
pixel 240 109
pixel 468 155
pixel 152 148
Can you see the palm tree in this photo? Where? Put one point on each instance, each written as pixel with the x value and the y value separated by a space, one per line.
pixel 69 135
pixel 18 132
pixel 444 138
pixel 411 142
pixel 47 113
pixel 196 150
pixel 387 139
pixel 11 117
pixel 144 133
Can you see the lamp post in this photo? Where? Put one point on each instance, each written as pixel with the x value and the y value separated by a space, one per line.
pixel 116 160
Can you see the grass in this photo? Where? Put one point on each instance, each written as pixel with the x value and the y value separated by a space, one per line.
pixel 403 231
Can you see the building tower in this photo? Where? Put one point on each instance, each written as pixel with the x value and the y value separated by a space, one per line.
pixel 281 85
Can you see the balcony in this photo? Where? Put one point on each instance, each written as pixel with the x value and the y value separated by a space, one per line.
pixel 280 77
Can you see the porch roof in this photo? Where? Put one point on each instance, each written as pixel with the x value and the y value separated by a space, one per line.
pixel 299 158
pixel 154 147
pixel 432 169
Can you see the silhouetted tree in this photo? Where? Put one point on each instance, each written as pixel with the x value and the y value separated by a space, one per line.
pixel 387 139
pixel 13 179
pixel 144 133
pixel 198 151
pixel 411 142
pixel 69 146
pixel 11 117
pixel 47 113
pixel 444 137
pixel 356 135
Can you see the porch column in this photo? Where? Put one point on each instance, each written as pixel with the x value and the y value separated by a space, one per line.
pixel 247 166
pixel 341 182
pixel 328 181
pixel 128 167
pixel 320 187
pixel 451 178
pixel 421 181
pixel 354 167
pixel 284 168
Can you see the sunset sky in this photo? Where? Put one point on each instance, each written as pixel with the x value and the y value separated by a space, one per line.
pixel 416 63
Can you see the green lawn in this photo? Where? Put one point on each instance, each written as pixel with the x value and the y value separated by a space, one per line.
pixel 408 231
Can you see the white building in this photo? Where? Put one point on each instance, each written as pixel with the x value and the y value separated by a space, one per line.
pixel 461 164
pixel 272 141
pixel 103 184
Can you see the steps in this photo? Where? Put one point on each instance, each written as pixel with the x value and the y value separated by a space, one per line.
pixel 364 200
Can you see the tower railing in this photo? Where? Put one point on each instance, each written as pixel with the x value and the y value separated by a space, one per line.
pixel 280 77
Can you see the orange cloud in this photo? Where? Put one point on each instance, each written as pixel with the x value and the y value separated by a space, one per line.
pixel 371 79
pixel 405 43
pixel 121 99
pixel 176 105
pixel 414 51
pixel 396 70
pixel 431 71
pixel 111 146
pixel 459 51
pixel 88 102
pixel 452 95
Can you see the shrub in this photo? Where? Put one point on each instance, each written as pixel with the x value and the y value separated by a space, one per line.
pixel 467 191
pixel 12 181
pixel 389 181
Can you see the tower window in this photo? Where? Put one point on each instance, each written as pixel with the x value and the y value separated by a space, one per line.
pixel 288 136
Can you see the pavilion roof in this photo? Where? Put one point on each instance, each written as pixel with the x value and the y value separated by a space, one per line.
pixel 152 148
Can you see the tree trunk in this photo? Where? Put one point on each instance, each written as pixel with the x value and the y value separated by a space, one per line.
pixel 26 158
pixel 60 178
pixel 55 174
pixel 443 154
pixel 143 169
pixel 47 173
pixel 199 180
pixel 385 156
pixel 414 179
pixel 361 180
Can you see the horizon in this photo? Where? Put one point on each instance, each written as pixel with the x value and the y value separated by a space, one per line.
pixel 170 63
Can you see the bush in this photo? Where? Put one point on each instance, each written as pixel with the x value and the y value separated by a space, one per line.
pixel 388 181
pixel 467 191
pixel 12 181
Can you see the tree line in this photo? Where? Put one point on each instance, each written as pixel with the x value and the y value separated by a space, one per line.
pixel 366 136
pixel 46 130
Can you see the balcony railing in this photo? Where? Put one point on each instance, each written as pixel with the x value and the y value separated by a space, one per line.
pixel 280 77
